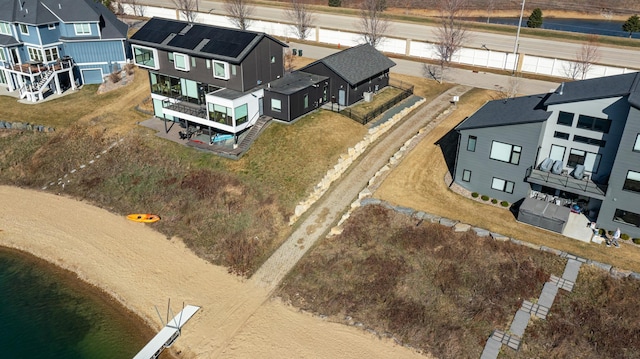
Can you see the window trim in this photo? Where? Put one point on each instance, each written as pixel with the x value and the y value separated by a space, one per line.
pixel 35 54
pixel 624 185
pixel 466 176
pixel 513 159
pixel 83 31
pixel 276 108
pixel 573 115
pixel 3 56
pixel 616 215
pixel 24 29
pixel 471 148
pixel 225 65
pixel 5 26
pixel 185 59
pixel 153 51
pixel 636 145
pixel 594 120
pixel 507 186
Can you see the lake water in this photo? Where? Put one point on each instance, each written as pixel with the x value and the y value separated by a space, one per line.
pixel 585 26
pixel 46 312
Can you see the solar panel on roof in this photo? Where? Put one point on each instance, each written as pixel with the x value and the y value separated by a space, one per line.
pixel 156 30
pixel 185 41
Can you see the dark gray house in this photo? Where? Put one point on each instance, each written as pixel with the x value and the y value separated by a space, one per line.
pixel 207 75
pixel 295 94
pixel 578 147
pixel 352 72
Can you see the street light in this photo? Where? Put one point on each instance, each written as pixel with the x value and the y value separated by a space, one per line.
pixel 515 46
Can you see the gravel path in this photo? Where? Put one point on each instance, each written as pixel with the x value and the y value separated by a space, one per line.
pixel 326 212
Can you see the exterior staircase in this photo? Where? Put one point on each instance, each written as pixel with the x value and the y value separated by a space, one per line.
pixel 254 132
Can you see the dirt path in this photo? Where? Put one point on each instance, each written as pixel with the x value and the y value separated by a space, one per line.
pixel 337 200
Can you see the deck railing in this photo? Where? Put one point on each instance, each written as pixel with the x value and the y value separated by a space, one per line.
pixel 564 181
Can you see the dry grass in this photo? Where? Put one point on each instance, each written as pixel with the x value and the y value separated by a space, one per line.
pixel 418 182
pixel 422 283
pixel 232 213
pixel 362 108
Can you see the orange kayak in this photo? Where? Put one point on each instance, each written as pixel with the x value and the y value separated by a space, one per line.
pixel 143 218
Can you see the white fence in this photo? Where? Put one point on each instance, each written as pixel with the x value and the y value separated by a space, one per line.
pixel 406 47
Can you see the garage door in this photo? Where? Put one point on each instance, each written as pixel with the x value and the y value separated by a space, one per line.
pixel 92 76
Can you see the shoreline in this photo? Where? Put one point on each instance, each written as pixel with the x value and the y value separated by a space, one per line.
pixel 140 269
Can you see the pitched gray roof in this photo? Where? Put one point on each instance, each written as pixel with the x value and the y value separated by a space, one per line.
pixel 357 64
pixel 42 12
pixel 602 87
pixel 511 111
pixel 200 40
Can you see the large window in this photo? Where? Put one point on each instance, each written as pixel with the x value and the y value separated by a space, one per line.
pixel 471 143
pixel 588 140
pixel 51 54
pixel 220 114
pixel 590 160
pixel 466 175
pixel 505 152
pixel 82 29
pixel 565 118
pixel 220 70
pixel 627 217
pixel 145 57
pixel 632 182
pixel 165 85
pixel 241 114
pixel 35 54
pixel 5 28
pixel 636 145
pixel 181 62
pixel 557 153
pixel 594 123
pixel 502 185
pixel 276 105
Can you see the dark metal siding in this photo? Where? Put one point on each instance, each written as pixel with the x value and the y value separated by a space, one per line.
pixel 617 198
pixel 295 103
pixel 483 169
pixel 257 67
pixel 283 115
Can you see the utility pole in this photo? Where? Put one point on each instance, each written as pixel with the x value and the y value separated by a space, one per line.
pixel 516 45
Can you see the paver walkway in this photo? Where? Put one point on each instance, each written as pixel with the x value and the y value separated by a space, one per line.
pixel 321 217
pixel 513 338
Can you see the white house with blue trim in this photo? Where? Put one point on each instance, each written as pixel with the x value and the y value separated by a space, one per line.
pixel 48 46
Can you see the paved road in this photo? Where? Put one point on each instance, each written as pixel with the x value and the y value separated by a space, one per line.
pixel 622 57
pixel 325 213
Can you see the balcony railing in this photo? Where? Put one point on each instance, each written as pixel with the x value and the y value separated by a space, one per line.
pixel 187 108
pixel 568 183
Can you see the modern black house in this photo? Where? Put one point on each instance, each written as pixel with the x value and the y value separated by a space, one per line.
pixel 353 72
pixel 295 94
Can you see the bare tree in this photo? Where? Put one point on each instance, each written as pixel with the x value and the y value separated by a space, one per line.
pixel 450 34
pixel 239 12
pixel 289 60
pixel 302 18
pixel 585 57
pixel 188 9
pixel 137 8
pixel 490 6
pixel 372 24
pixel 589 53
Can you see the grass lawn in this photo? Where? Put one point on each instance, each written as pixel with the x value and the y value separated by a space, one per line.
pixel 233 213
pixel 418 182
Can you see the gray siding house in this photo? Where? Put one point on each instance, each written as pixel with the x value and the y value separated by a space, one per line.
pixel 579 146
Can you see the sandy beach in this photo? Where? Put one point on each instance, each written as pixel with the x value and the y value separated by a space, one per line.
pixel 142 268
